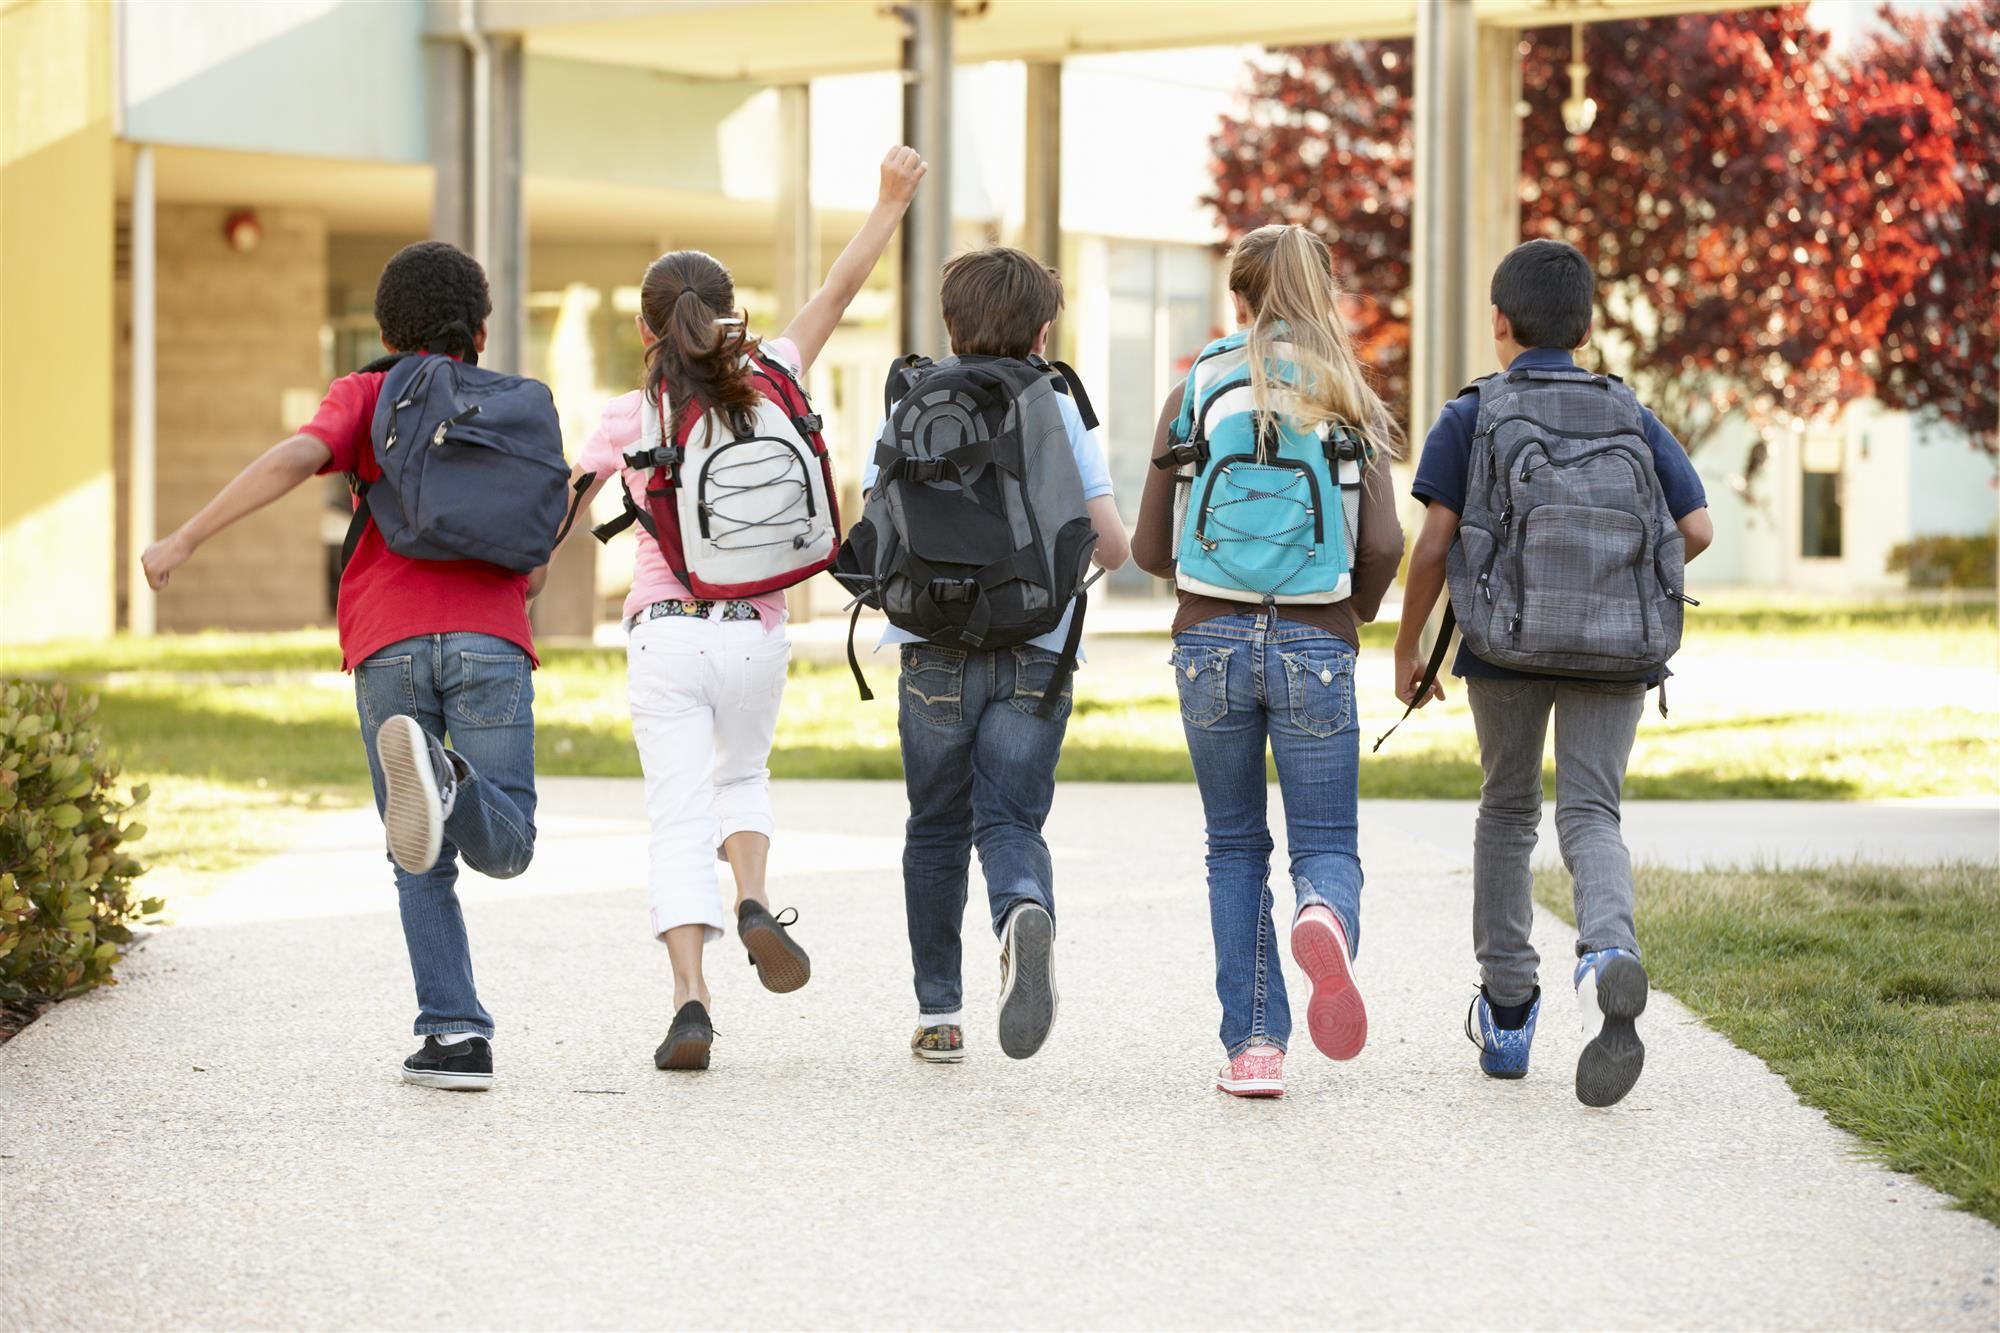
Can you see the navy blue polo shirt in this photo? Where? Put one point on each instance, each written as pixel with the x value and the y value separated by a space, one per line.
pixel 1446 464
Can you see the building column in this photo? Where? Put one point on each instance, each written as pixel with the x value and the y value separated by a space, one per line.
pixel 142 488
pixel 1446 45
pixel 797 233
pixel 1495 188
pixel 926 239
pixel 476 134
pixel 1041 229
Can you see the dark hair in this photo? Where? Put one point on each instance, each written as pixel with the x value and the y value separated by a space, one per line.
pixel 1544 289
pixel 698 358
pixel 996 301
pixel 432 298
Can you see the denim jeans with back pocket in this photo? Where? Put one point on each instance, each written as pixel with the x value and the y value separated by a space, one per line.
pixel 478 692
pixel 1245 680
pixel 980 766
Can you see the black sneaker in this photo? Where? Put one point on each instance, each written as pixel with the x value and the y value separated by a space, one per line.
pixel 1027 981
pixel 460 1061
pixel 781 964
pixel 688 1040
pixel 420 783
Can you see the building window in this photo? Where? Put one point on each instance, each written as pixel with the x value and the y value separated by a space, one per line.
pixel 1160 313
pixel 1819 515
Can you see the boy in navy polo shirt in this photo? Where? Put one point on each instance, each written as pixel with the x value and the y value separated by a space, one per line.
pixel 1541 311
pixel 437 647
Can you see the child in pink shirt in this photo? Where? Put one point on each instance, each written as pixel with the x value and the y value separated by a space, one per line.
pixel 706 677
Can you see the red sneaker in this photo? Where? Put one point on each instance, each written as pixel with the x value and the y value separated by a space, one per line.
pixel 1259 1071
pixel 1336 1016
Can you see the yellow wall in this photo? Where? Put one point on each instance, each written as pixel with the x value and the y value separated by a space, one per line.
pixel 57 223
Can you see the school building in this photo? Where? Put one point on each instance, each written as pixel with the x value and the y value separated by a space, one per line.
pixel 196 197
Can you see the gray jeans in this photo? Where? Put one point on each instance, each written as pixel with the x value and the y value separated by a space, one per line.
pixel 1595 724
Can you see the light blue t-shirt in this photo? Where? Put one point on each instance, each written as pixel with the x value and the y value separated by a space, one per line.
pixel 1090 466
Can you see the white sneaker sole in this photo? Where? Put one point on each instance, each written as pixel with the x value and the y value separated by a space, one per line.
pixel 424 1078
pixel 938 1057
pixel 1251 1087
pixel 413 812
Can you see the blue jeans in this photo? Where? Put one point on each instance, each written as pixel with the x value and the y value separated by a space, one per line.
pixel 981 771
pixel 478 690
pixel 1242 679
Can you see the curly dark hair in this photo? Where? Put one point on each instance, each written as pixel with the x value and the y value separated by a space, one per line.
pixel 432 297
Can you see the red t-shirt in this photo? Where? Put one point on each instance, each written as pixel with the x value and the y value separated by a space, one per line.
pixel 385 597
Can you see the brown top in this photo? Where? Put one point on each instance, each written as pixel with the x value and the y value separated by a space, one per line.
pixel 1378 548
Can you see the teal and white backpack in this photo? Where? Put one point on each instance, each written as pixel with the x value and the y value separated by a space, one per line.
pixel 1264 511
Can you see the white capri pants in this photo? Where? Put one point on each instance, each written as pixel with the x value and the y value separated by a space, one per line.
pixel 705 697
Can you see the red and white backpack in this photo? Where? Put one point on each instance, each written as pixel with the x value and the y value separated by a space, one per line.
pixel 737 513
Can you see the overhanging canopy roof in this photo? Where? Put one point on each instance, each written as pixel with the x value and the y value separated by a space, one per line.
pixel 780 41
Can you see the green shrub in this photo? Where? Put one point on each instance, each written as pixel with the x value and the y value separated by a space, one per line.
pixel 1944 561
pixel 66 902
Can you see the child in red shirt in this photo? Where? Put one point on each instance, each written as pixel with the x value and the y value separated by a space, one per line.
pixel 437 647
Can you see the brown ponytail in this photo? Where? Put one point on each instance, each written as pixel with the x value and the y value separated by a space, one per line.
pixel 697 358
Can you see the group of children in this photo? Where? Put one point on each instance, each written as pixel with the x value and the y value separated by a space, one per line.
pixel 441 649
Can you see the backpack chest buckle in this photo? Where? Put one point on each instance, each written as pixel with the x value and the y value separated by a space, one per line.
pixel 953 590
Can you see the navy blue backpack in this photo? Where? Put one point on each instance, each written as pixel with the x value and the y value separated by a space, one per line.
pixel 472 466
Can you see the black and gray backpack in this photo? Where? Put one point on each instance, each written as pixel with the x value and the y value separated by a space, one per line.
pixel 975 534
pixel 1567 561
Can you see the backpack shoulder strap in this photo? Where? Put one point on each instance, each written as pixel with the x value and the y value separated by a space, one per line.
pixel 1431 669
pixel 1181 451
pixel 1071 385
pixel 902 371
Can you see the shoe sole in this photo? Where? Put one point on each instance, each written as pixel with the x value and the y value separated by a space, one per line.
pixel 781 964
pixel 938 1057
pixel 687 1053
pixel 412 813
pixel 1612 1060
pixel 1503 1073
pixel 1250 1087
pixel 425 1078
pixel 1028 1004
pixel 1336 1015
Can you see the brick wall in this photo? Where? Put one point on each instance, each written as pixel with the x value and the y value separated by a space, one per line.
pixel 235 332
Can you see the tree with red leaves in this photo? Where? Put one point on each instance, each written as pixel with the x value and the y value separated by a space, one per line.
pixel 1326 141
pixel 1756 214
pixel 1941 349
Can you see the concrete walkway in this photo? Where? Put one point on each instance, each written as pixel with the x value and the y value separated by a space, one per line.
pixel 221 1141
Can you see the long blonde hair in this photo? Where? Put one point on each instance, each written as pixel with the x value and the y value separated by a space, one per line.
pixel 1284 274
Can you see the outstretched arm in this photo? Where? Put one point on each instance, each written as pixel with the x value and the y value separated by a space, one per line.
pixel 280 469
pixel 819 317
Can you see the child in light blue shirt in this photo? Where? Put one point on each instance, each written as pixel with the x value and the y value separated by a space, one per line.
pixel 979 757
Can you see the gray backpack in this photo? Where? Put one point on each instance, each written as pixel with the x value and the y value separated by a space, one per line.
pixel 975 534
pixel 1567 562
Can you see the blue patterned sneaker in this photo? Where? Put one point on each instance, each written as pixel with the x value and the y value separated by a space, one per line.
pixel 1503 1052
pixel 1611 993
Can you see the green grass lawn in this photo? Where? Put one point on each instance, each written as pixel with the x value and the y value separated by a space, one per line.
pixel 1874 991
pixel 239 734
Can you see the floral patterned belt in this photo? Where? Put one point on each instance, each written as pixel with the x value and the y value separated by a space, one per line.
pixel 731 610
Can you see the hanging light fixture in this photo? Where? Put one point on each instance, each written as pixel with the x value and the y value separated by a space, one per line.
pixel 1579 110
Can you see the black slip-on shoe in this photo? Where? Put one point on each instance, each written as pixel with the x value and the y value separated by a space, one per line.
pixel 688 1040
pixel 462 1061
pixel 781 964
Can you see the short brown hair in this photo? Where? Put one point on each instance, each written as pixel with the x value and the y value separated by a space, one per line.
pixel 996 301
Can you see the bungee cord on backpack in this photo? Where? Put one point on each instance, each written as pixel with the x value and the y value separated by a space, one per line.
pixel 790 488
pixel 1280 537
